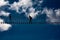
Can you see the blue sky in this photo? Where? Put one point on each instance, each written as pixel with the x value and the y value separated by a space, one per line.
pixel 46 11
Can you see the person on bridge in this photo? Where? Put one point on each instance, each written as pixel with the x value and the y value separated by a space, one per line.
pixel 30 19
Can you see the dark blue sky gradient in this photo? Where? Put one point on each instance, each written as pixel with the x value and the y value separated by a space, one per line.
pixel 32 31
pixel 52 3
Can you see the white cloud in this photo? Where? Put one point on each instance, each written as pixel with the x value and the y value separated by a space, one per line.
pixel 32 13
pixel 24 3
pixel 3 2
pixel 49 12
pixel 5 26
pixel 41 1
pixel 57 11
pixel 53 16
pixel 3 13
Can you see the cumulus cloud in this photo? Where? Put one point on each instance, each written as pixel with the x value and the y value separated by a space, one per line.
pixel 57 12
pixel 3 2
pixel 32 13
pixel 3 13
pixel 53 16
pixel 25 4
pixel 5 26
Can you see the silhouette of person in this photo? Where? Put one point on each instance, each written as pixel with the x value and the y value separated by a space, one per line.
pixel 30 19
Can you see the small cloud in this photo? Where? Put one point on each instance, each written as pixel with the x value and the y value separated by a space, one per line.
pixel 3 13
pixel 57 11
pixel 3 2
pixel 41 1
pixel 32 13
pixel 5 26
